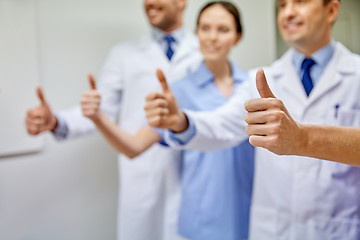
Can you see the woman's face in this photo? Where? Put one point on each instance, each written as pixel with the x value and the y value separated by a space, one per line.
pixel 216 33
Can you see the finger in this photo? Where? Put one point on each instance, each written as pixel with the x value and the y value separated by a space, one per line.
pixel 256 117
pixel 34 121
pixel 33 113
pixel 262 104
pixel 262 85
pixel 157 121
pixel 157 103
pixel 160 75
pixel 258 141
pixel 92 81
pixel 157 112
pixel 40 95
pixel 257 130
pixel 153 96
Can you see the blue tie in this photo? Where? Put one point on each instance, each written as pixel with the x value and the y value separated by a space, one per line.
pixel 169 51
pixel 306 78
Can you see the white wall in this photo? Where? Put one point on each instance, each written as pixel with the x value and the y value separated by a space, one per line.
pixel 69 189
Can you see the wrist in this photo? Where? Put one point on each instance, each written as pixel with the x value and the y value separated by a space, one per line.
pixel 304 141
pixel 181 124
pixel 97 117
pixel 53 123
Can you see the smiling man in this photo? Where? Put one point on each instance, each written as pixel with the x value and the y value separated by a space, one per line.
pixel 318 80
pixel 149 187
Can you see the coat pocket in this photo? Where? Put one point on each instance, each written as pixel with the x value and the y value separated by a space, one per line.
pixel 348 118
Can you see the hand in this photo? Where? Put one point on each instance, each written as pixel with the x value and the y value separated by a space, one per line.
pixel 90 101
pixel 40 119
pixel 162 110
pixel 269 123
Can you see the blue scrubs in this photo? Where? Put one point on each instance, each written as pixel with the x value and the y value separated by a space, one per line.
pixel 216 186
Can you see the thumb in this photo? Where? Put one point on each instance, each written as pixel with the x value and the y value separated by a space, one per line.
pixel 92 81
pixel 262 85
pixel 160 75
pixel 40 95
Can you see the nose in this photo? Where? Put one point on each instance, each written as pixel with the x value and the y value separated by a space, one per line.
pixel 213 35
pixel 289 10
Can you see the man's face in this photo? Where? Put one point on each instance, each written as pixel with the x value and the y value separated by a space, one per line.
pixel 306 24
pixel 164 14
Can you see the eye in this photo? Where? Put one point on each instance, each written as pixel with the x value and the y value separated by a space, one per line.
pixel 204 28
pixel 281 4
pixel 223 29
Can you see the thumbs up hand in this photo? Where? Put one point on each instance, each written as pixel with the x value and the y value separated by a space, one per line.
pixel 162 110
pixel 90 101
pixel 269 123
pixel 41 118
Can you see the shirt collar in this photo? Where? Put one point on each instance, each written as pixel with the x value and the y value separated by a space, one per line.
pixel 158 34
pixel 322 57
pixel 202 76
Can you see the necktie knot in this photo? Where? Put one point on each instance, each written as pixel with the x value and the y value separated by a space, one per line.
pixel 169 51
pixel 306 78
pixel 307 64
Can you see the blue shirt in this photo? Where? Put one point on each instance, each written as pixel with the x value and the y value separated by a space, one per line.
pixel 216 186
pixel 321 57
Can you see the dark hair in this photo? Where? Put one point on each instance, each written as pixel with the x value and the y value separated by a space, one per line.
pixel 327 1
pixel 230 7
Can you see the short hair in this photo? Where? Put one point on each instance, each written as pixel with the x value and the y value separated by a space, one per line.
pixel 230 7
pixel 327 1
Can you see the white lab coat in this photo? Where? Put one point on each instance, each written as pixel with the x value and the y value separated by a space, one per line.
pixel 297 198
pixel 149 184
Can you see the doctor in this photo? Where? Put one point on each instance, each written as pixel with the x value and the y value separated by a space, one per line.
pixel 319 82
pixel 149 186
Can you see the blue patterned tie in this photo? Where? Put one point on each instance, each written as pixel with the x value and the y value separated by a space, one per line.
pixel 169 40
pixel 306 78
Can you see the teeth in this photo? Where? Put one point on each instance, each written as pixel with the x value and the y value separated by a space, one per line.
pixel 153 11
pixel 211 48
pixel 291 25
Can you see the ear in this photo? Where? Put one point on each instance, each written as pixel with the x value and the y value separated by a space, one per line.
pixel 333 11
pixel 182 4
pixel 238 38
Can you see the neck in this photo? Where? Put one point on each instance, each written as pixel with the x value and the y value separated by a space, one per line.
pixel 177 25
pixel 312 48
pixel 220 70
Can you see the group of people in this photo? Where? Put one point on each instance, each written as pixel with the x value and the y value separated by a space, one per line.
pixel 192 172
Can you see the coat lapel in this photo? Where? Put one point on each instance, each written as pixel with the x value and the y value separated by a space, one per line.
pixel 188 46
pixel 341 64
pixel 284 74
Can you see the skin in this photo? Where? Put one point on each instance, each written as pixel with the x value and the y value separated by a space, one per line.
pixel 217 35
pixel 163 14
pixel 270 126
pixel 306 26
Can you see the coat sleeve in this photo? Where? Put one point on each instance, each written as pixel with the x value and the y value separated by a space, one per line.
pixel 110 86
pixel 221 128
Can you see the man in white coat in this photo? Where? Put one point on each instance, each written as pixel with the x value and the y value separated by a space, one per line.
pixel 149 187
pixel 318 80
